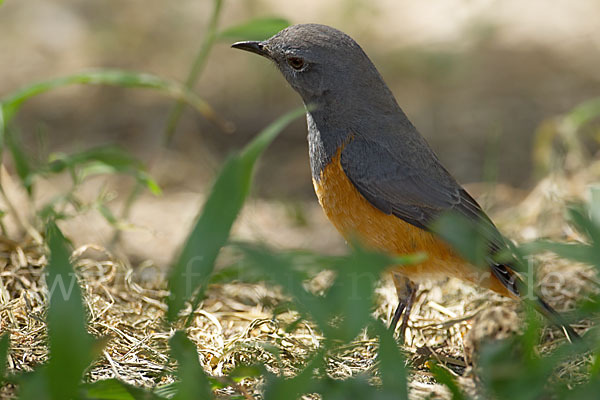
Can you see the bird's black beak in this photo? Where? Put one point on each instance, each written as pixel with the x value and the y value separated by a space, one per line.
pixel 253 47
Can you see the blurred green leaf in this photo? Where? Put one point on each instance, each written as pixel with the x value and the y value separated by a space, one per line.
pixel 595 367
pixel 584 219
pixel 391 364
pixel 279 267
pixel 445 378
pixel 71 346
pixel 256 29
pixel 506 376
pixel 111 77
pixel 147 181
pixel 196 262
pixel 21 160
pixel 583 113
pixel 356 387
pixel 34 386
pixel 2 132
pixel 306 264
pixel 102 160
pixel 465 236
pixel 580 215
pixel 107 214
pixel 4 344
pixel 572 251
pixel 237 271
pixel 246 371
pixel 544 155
pixel 346 306
pixel 168 391
pixel 254 149
pixel 513 368
pixel 196 69
pixel 193 381
pixel 351 295
pixel 113 389
pixel 108 156
pixel 280 387
pixel 556 138
pixel 588 390
pixel 594 206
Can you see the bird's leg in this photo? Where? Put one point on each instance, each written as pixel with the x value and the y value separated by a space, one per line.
pixel 397 314
pixel 406 291
pixel 410 300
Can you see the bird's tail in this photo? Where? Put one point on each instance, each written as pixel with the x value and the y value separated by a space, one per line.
pixel 557 319
pixel 513 282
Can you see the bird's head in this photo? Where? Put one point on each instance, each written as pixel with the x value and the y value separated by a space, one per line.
pixel 317 61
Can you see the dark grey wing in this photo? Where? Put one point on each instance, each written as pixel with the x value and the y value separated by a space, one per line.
pixel 414 187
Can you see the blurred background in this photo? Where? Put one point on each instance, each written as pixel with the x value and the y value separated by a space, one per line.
pixel 479 78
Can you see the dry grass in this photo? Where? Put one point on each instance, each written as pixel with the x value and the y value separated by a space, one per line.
pixel 237 323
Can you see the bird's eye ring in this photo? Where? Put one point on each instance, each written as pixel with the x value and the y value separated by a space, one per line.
pixel 296 63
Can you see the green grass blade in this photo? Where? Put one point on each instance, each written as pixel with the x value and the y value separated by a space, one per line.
pixel 197 67
pixel 584 113
pixel 280 387
pixel 279 268
pixel 71 347
pixel 34 385
pixel 594 205
pixel 513 368
pixel 210 233
pixel 391 364
pixel 585 219
pixel 2 132
pixel 579 252
pixel 256 29
pixel 253 150
pixel 168 391
pixel 21 160
pixel 102 159
pixel 196 262
pixel 111 156
pixel 581 216
pixel 193 381
pixel 352 293
pixel 470 238
pixel 111 77
pixel 445 378
pixel 113 389
pixel 4 344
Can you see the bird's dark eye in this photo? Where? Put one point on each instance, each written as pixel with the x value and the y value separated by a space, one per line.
pixel 296 62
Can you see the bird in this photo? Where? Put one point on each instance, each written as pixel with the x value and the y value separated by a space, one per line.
pixel 375 176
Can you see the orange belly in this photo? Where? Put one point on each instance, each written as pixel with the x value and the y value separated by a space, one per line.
pixel 354 216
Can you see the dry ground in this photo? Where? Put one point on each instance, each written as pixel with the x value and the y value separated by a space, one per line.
pixel 236 322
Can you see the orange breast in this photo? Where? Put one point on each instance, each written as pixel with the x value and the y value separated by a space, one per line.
pixel 354 216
